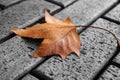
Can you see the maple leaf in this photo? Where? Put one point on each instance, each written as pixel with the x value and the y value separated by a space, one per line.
pixel 60 37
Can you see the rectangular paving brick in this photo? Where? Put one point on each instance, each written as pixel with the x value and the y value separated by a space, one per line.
pixel 97 46
pixel 115 13
pixel 8 2
pixel 14 57
pixel 29 77
pixel 23 14
pixel 112 73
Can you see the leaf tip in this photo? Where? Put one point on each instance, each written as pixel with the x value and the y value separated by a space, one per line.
pixel 46 14
pixel 62 56
pixel 77 53
pixel 68 20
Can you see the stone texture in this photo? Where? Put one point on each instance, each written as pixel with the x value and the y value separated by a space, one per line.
pixel 23 14
pixel 84 11
pixel 14 57
pixel 112 73
pixel 29 77
pixel 65 2
pixel 115 13
pixel 97 46
pixel 8 2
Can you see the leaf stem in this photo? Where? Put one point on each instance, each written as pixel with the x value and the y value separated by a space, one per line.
pixel 118 44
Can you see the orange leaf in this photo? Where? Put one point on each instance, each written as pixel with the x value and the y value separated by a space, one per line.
pixel 60 37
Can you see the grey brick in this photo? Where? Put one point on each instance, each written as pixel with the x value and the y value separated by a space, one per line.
pixel 83 11
pixel 8 2
pixel 97 46
pixel 14 57
pixel 23 14
pixel 112 73
pixel 65 2
pixel 29 77
pixel 115 13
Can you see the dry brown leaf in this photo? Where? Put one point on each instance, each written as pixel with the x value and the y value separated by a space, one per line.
pixel 60 37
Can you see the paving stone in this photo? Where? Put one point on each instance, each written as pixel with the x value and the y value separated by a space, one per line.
pixel 115 13
pixel 14 57
pixel 29 77
pixel 112 73
pixel 97 46
pixel 23 14
pixel 84 11
pixel 65 2
pixel 8 2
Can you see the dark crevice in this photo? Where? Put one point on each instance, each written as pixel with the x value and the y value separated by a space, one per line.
pixel 57 3
pixel 61 4
pixel 119 1
pixel 71 3
pixel 106 65
pixel 100 15
pixel 115 64
pixel 2 6
pixel 5 7
pixel 9 36
pixel 40 75
pixel 111 20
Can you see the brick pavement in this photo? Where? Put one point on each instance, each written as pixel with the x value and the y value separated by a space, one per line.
pixel 100 59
